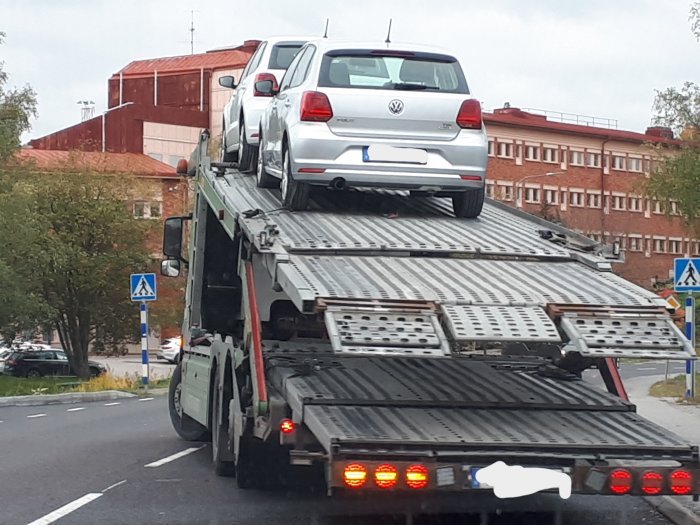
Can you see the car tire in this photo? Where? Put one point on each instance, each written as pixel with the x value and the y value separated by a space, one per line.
pixel 295 194
pixel 264 179
pixel 95 372
pixel 468 204
pixel 246 152
pixel 34 372
pixel 219 433
pixel 225 155
pixel 186 427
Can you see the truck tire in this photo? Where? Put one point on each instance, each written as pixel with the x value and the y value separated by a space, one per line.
pixel 219 433
pixel 264 179
pixel 186 427
pixel 468 204
pixel 295 194
pixel 246 152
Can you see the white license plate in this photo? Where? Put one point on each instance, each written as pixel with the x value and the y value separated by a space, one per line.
pixel 382 153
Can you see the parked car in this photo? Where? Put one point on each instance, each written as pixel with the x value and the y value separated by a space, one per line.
pixel 4 354
pixel 170 349
pixel 40 363
pixel 363 115
pixel 241 119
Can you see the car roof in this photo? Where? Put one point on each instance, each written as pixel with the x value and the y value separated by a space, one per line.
pixel 277 39
pixel 328 44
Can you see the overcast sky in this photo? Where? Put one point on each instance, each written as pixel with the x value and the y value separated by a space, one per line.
pixel 593 57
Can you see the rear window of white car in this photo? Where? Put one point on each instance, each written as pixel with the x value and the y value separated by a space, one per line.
pixel 392 70
pixel 283 54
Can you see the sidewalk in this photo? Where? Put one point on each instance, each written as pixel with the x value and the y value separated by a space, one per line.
pixel 683 420
pixel 131 365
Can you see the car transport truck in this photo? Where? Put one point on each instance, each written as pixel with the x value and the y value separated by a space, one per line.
pixel 396 348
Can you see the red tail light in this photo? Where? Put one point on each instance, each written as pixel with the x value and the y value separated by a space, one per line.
pixel 681 482
pixel 355 475
pixel 469 116
pixel 417 476
pixel 259 78
pixel 386 476
pixel 652 483
pixel 620 481
pixel 315 107
pixel 287 426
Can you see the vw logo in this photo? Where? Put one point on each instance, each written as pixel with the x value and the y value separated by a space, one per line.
pixel 396 106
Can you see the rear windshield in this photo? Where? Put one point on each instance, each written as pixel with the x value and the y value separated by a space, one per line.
pixel 392 70
pixel 283 54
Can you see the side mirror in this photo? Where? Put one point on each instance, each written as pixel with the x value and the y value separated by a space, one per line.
pixel 172 238
pixel 227 81
pixel 266 87
pixel 170 268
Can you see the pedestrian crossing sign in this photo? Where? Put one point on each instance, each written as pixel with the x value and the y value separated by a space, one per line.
pixel 686 276
pixel 143 287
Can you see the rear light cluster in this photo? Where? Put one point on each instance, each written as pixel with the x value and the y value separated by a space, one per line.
pixel 469 116
pixel 385 476
pixel 680 482
pixel 264 76
pixel 315 107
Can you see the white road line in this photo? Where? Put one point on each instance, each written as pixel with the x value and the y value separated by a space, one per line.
pixel 146 399
pixel 76 409
pixel 66 509
pixel 647 368
pixel 112 404
pixel 115 485
pixel 36 415
pixel 174 456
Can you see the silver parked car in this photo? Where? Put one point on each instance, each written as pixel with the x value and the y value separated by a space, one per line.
pixel 353 114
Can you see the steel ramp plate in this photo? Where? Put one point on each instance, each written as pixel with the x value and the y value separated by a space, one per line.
pixel 500 323
pixel 625 335
pixel 367 331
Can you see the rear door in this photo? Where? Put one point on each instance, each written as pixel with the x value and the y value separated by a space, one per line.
pixel 393 94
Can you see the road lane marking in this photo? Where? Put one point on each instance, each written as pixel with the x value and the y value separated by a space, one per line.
pixel 647 369
pixel 76 409
pixel 146 399
pixel 112 404
pixel 66 509
pixel 36 415
pixel 174 456
pixel 114 485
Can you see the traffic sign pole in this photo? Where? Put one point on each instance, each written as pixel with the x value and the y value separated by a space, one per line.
pixel 690 334
pixel 145 371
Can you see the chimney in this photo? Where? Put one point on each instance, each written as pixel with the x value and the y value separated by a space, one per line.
pixel 660 131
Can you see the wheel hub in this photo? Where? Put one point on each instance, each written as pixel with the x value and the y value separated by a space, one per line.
pixel 176 399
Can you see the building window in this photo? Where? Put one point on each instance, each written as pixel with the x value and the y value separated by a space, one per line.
pixel 674 246
pixel 506 192
pixel 505 149
pixel 551 154
pixel 157 156
pixel 551 196
pixel 597 237
pixel 491 148
pixel 148 210
pixel 660 245
pixel 657 208
pixel 634 164
pixel 489 189
pixel 635 244
pixel 532 153
pixel 593 160
pixel 618 202
pixel 695 248
pixel 532 195
pixel 576 198
pixel 576 158
pixel 674 208
pixel 621 242
pixel 173 160
pixel 594 200
pixel 635 204
pixel 618 162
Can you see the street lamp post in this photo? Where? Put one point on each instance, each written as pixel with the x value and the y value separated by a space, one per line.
pixel 521 182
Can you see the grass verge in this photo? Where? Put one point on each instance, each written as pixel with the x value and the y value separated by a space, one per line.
pixel 674 387
pixel 22 386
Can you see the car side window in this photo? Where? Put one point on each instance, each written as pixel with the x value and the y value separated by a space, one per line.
pixel 254 60
pixel 287 79
pixel 302 69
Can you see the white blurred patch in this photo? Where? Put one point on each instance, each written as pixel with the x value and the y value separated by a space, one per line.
pixel 383 153
pixel 515 481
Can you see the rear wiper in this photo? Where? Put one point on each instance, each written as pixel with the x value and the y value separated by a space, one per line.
pixel 413 87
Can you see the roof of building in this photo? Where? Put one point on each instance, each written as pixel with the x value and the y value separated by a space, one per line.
pixel 132 163
pixel 522 119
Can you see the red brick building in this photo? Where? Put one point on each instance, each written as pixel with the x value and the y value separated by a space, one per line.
pixel 590 178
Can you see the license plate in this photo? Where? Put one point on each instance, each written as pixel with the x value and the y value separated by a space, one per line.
pixel 381 153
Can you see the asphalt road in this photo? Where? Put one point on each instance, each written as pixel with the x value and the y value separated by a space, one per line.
pixel 651 368
pixel 89 462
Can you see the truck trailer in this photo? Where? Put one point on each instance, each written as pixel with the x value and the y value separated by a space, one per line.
pixel 395 348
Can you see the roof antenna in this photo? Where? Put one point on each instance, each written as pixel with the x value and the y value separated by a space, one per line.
pixel 325 33
pixel 388 35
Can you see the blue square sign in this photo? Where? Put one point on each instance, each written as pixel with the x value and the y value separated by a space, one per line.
pixel 686 277
pixel 143 287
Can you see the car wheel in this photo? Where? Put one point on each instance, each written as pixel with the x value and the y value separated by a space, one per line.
pixel 265 180
pixel 95 372
pixel 225 155
pixel 468 204
pixel 34 372
pixel 295 194
pixel 186 427
pixel 245 151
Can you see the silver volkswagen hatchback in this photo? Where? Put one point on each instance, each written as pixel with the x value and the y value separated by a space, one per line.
pixel 353 114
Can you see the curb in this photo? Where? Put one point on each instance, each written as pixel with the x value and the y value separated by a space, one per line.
pixel 59 399
pixel 673 510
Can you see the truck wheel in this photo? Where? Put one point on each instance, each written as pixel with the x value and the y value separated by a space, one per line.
pixel 468 204
pixel 186 427
pixel 295 194
pixel 265 180
pixel 219 432
pixel 245 151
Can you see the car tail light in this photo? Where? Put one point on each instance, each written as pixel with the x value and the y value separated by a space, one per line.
pixel 681 482
pixel 312 170
pixel 287 426
pixel 652 483
pixel 355 475
pixel 386 476
pixel 469 115
pixel 620 481
pixel 417 476
pixel 470 177
pixel 264 76
pixel 315 107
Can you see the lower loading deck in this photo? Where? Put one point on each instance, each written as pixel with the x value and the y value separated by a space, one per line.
pixel 458 408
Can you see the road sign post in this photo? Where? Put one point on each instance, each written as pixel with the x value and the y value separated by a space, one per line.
pixel 690 334
pixel 143 289
pixel 687 279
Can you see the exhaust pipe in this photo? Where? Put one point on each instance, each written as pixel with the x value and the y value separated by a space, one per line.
pixel 338 183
